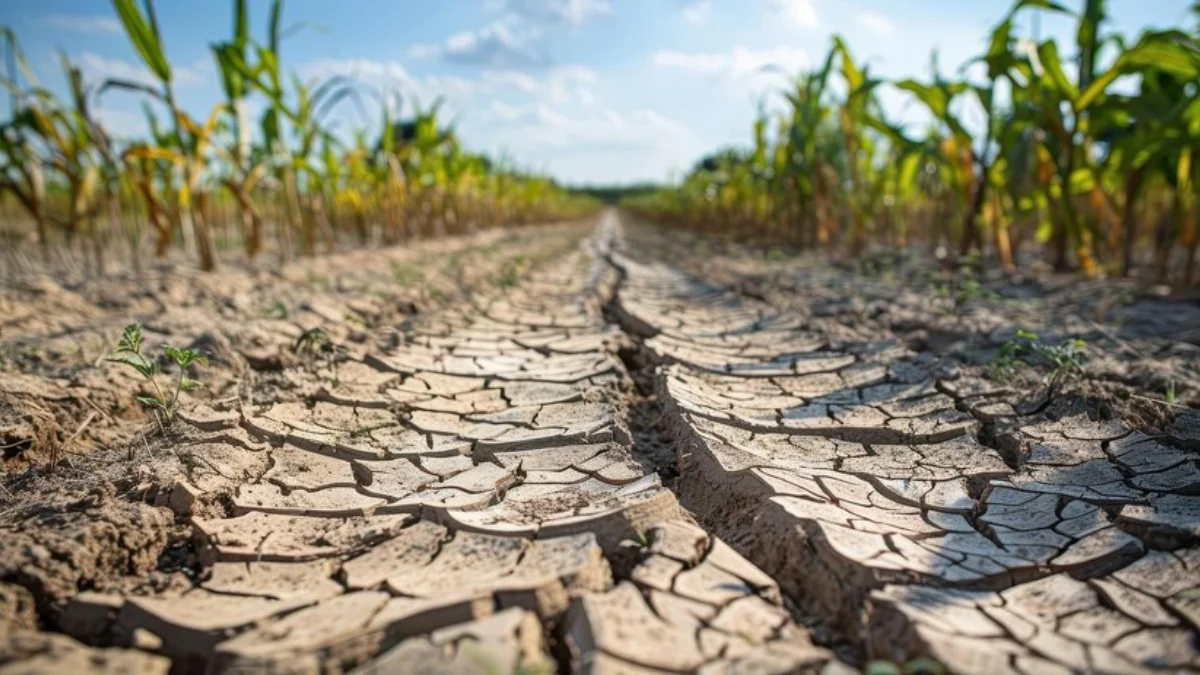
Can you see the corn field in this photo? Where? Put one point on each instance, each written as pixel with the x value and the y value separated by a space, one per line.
pixel 284 182
pixel 1088 159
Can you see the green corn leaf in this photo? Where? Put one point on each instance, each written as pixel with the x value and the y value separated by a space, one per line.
pixel 241 24
pixel 1045 231
pixel 276 18
pixel 1088 39
pixel 144 37
pixel 1048 5
pixel 270 128
pixel 935 99
pixel 1048 55
pixel 1168 55
pixel 128 85
pixel 233 81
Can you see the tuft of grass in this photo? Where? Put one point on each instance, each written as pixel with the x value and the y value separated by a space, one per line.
pixel 510 274
pixel 638 541
pixel 312 341
pixel 162 403
pixel 275 310
pixel 962 292
pixel 1062 361
pixel 318 281
pixel 316 341
pixel 777 254
pixel 406 275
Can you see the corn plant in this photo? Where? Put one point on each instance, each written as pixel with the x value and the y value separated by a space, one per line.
pixel 285 171
pixel 1066 160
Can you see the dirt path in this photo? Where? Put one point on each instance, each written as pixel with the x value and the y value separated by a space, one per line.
pixel 609 466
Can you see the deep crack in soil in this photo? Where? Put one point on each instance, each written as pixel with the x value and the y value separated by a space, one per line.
pixel 506 481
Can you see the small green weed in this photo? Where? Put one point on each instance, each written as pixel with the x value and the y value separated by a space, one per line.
pixel 1062 360
pixel 316 341
pixel 637 541
pixel 406 275
pixel 312 341
pixel 318 281
pixel 510 274
pixel 275 310
pixel 163 404
pixel 962 292
pixel 922 666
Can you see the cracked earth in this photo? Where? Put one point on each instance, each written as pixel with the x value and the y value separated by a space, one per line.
pixel 623 462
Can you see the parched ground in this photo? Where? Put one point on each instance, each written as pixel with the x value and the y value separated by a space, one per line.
pixel 601 448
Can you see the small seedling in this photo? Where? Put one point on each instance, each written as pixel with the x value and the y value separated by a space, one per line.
pixel 637 542
pixel 312 341
pixel 921 666
pixel 317 341
pixel 276 310
pixel 406 275
pixel 510 275
pixel 163 404
pixel 318 281
pixel 1063 360
pixel 962 292
pixel 1172 397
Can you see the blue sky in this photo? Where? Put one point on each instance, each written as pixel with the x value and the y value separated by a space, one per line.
pixel 594 91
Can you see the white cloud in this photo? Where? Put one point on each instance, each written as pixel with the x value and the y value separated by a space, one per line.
pixel 392 80
pixel 97 68
pixel 546 126
pixel 573 12
pixel 557 85
pixel 876 23
pixel 506 43
pixel 367 70
pixel 738 65
pixel 802 13
pixel 83 23
pixel 569 83
pixel 511 78
pixel 507 113
pixel 697 13
pixel 517 38
pixel 424 51
pixel 121 124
